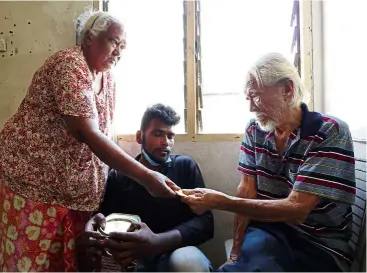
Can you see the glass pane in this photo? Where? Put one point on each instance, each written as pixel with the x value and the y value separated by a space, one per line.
pixel 151 68
pixel 343 61
pixel 233 35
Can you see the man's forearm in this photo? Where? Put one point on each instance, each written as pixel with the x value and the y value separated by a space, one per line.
pixel 246 189
pixel 240 227
pixel 264 210
pixel 168 241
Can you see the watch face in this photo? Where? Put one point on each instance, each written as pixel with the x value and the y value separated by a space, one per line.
pixel 118 222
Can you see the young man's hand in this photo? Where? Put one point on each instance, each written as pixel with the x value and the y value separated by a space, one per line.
pixel 129 246
pixel 93 240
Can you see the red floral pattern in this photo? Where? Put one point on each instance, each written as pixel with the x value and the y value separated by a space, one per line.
pixel 39 158
pixel 36 237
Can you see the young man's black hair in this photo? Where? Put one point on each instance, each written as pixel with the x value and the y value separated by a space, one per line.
pixel 162 112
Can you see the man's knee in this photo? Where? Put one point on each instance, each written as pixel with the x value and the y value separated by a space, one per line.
pixel 188 259
pixel 262 251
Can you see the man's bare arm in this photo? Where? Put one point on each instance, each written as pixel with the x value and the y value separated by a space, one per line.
pixel 294 208
pixel 246 189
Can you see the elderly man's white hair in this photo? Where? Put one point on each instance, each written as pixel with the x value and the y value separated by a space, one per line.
pixel 273 68
pixel 93 22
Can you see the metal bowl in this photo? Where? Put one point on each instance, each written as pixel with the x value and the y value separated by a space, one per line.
pixel 119 222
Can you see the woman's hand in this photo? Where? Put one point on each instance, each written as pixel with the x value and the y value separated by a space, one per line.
pixel 201 200
pixel 159 185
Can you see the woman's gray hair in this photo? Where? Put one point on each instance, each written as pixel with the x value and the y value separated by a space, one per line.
pixel 273 68
pixel 93 22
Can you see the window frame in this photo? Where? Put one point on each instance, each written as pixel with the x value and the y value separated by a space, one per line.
pixel 192 98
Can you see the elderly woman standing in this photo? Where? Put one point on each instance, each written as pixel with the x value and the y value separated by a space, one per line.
pixel 55 150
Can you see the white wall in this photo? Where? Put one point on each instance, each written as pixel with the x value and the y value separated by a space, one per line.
pixel 32 30
pixel 218 162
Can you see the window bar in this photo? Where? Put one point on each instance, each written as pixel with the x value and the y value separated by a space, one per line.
pixel 105 5
pixel 184 17
pixel 192 120
pixel 306 46
pixel 296 41
pixel 199 94
pixel 77 42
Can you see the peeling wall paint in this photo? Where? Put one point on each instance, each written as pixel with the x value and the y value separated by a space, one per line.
pixel 33 30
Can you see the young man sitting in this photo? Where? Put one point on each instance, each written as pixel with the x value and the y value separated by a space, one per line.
pixel 170 230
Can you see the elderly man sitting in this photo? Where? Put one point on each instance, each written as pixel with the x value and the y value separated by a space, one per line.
pixel 298 181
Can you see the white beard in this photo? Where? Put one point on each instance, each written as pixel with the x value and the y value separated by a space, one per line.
pixel 269 126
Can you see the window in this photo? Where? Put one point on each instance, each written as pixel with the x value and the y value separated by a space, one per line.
pixel 234 34
pixel 151 69
pixel 343 61
pixel 193 55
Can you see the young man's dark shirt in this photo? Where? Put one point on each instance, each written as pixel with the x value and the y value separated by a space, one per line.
pixel 124 195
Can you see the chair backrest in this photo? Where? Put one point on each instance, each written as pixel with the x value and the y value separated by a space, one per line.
pixel 358 240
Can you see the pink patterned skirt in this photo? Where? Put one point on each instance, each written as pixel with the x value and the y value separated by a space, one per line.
pixel 37 237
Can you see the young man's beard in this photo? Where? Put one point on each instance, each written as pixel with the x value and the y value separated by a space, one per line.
pixel 157 160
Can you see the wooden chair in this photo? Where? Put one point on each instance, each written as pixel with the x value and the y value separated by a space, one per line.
pixel 358 240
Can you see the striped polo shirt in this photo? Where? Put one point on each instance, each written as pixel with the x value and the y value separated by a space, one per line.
pixel 318 159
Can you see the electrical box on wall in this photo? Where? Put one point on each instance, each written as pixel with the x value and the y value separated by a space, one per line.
pixel 2 45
